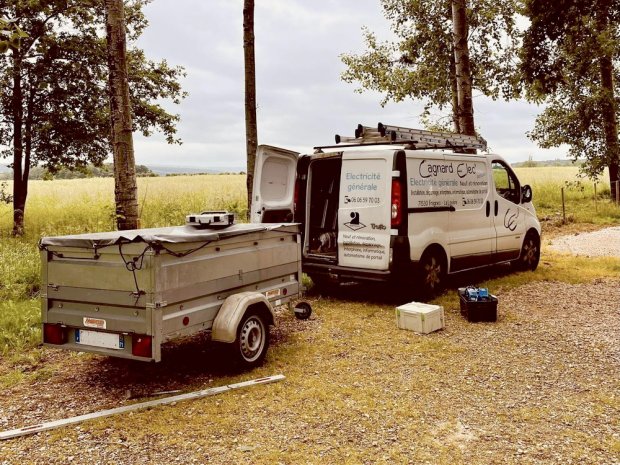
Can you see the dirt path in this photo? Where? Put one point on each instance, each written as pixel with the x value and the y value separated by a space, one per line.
pixel 604 242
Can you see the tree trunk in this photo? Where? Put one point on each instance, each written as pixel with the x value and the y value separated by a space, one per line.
pixel 251 131
pixel 463 68
pixel 125 187
pixel 20 182
pixel 608 109
pixel 455 95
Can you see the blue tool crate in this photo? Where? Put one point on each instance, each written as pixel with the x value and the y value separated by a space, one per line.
pixel 479 308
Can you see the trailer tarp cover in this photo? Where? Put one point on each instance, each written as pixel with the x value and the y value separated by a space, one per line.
pixel 169 235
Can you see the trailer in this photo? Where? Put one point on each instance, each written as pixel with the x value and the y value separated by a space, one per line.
pixel 125 293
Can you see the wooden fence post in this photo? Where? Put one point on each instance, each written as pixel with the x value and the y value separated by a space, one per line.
pixel 595 202
pixel 563 208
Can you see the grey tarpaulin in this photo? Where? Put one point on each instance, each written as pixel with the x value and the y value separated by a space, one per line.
pixel 168 235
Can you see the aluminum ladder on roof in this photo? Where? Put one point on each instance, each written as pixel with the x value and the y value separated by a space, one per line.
pixel 412 138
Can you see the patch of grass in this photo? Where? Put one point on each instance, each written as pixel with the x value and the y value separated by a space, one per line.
pixel 552 267
pixel 20 326
pixel 74 206
pixel 20 266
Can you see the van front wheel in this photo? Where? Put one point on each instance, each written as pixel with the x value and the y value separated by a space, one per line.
pixel 432 273
pixel 530 252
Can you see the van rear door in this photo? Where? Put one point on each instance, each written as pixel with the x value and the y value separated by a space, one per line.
pixel 273 194
pixel 364 212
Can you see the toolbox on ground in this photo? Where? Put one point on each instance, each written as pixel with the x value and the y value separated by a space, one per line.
pixel 421 318
pixel 477 305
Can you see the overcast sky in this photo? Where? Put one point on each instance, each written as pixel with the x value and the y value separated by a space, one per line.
pixel 301 100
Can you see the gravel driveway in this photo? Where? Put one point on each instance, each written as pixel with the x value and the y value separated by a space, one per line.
pixel 604 242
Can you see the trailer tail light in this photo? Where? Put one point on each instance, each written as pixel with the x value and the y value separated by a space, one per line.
pixel 141 345
pixel 54 334
pixel 397 204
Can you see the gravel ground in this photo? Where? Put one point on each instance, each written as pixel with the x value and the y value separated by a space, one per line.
pixel 604 242
pixel 540 386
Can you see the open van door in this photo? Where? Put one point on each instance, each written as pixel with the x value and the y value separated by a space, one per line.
pixel 273 193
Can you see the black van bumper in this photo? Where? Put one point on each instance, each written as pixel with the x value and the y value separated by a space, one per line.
pixel 343 273
pixel 400 266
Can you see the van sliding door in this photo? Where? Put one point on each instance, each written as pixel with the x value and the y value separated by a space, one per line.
pixel 471 233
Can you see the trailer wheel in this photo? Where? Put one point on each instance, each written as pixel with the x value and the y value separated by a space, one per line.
pixel 530 252
pixel 432 272
pixel 252 340
pixel 303 310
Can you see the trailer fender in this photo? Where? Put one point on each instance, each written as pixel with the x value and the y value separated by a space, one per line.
pixel 232 310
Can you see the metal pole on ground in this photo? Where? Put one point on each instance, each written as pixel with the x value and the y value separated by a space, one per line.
pixel 140 406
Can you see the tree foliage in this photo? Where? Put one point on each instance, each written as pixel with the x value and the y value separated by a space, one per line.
pixel 10 35
pixel 420 64
pixel 54 107
pixel 569 61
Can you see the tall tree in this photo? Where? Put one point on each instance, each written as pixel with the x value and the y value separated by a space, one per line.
pixel 570 52
pixel 465 104
pixel 421 63
pixel 125 185
pixel 251 131
pixel 54 103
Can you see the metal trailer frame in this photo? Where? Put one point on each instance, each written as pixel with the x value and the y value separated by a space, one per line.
pixel 164 283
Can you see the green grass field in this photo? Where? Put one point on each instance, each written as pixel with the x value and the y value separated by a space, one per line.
pixel 580 202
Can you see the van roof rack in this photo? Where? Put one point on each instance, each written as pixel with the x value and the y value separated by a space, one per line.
pixel 414 139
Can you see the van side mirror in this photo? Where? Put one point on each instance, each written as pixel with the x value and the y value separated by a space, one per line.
pixel 526 194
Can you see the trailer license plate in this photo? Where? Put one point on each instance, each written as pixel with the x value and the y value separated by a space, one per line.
pixel 272 293
pixel 99 339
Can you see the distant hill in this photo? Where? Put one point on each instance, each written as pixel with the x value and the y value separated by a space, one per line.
pixel 107 171
pixel 164 170
pixel 535 163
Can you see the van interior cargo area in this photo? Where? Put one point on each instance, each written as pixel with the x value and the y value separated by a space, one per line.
pixel 324 187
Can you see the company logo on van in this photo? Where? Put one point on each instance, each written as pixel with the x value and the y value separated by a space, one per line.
pixel 510 219
pixel 428 169
pixel 355 224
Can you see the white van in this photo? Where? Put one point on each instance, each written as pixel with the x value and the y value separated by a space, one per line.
pixel 399 213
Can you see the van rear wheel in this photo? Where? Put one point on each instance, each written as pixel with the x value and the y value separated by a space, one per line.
pixel 432 273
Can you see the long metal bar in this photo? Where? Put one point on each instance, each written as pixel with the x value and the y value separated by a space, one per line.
pixel 139 406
